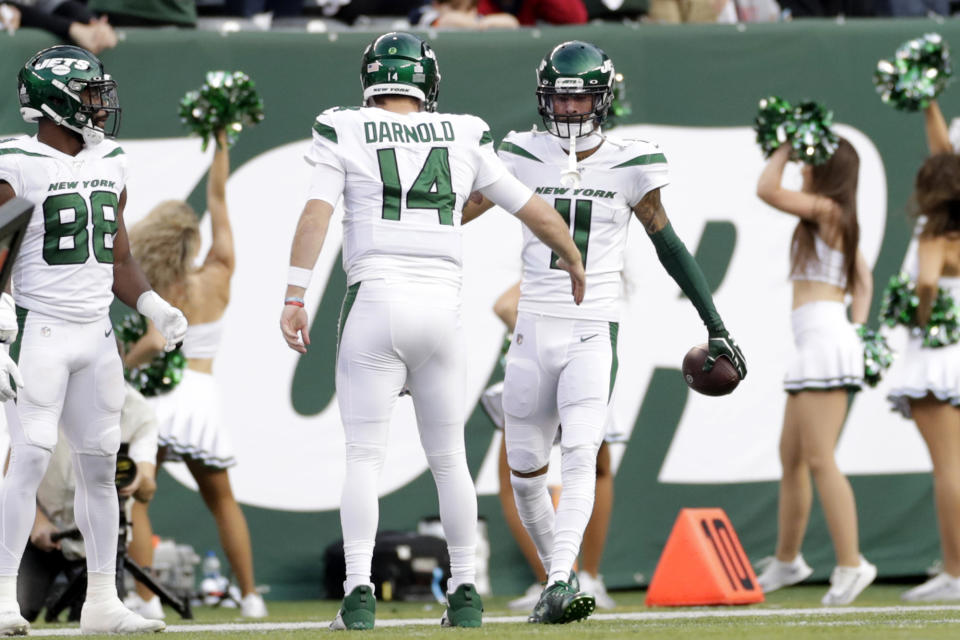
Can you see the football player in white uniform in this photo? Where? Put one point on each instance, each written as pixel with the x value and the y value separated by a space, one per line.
pixel 562 363
pixel 404 172
pixel 73 259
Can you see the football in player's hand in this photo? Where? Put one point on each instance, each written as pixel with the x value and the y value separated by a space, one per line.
pixel 719 381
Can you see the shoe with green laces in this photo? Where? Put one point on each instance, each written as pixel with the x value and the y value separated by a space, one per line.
pixel 560 604
pixel 464 608
pixel 358 611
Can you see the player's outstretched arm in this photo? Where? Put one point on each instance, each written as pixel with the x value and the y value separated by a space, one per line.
pixel 545 223
pixel 307 243
pixel 130 285
pixel 687 274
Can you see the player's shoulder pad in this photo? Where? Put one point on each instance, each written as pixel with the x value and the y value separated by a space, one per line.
pixel 475 126
pixel 325 125
pixel 110 149
pixel 20 146
pixel 635 153
pixel 524 144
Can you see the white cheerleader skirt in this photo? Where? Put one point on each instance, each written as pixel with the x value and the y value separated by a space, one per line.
pixel 921 371
pixel 190 426
pixel 829 354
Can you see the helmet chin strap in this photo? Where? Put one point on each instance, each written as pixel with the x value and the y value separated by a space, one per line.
pixel 584 142
pixel 92 136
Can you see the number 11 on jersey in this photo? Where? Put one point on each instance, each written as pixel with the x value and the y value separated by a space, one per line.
pixel 583 212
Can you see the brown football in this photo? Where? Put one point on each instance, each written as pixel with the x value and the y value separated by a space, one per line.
pixel 719 381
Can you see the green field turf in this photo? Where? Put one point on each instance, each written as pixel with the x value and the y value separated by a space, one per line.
pixel 789 614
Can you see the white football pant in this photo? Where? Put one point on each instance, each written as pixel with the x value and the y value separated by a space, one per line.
pixel 558 373
pixel 395 336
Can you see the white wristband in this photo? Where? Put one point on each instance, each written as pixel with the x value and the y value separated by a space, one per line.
pixel 299 277
pixel 149 303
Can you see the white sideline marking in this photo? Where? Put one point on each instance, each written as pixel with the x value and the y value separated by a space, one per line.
pixel 638 616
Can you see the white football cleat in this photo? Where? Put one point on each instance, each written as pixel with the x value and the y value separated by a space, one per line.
pixel 942 586
pixel 253 606
pixel 596 588
pixel 846 583
pixel 110 616
pixel 151 609
pixel 13 624
pixel 778 574
pixel 528 600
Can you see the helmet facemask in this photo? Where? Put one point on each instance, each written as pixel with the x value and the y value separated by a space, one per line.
pixel 580 124
pixel 575 68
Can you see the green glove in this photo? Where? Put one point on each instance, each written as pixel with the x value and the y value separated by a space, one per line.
pixel 722 345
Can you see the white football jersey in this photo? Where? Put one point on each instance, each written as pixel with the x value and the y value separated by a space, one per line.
pixel 65 265
pixel 406 178
pixel 612 180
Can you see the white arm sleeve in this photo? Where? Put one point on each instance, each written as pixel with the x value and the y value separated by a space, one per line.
pixel 326 183
pixel 508 192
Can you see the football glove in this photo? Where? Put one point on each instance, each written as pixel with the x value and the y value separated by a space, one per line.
pixel 8 319
pixel 721 344
pixel 168 320
pixel 8 369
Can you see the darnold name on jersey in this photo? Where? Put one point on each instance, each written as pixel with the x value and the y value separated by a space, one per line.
pixel 396 132
pixel 586 193
pixel 60 186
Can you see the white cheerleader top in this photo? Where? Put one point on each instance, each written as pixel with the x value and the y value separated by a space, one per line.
pixel 202 340
pixel 828 267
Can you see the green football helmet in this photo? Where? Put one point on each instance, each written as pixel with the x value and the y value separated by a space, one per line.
pixel 575 67
pixel 400 64
pixel 68 85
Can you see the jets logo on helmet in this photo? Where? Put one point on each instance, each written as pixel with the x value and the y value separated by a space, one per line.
pixel 400 64
pixel 69 86
pixel 575 68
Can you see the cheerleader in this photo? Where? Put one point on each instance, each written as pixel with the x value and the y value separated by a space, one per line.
pixel 925 385
pixel 167 242
pixel 825 265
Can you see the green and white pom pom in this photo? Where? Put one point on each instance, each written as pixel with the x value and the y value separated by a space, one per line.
pixel 919 72
pixel 806 128
pixel 161 374
pixel 813 140
pixel 774 124
pixel 228 100
pixel 877 355
pixel 899 306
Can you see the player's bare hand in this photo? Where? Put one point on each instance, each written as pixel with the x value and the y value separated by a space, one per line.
pixel 41 535
pixel 578 278
pixel 8 369
pixel 295 327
